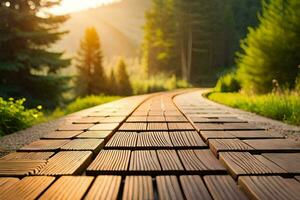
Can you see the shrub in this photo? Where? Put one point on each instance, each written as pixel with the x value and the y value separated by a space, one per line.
pixel 14 116
pixel 87 102
pixel 228 83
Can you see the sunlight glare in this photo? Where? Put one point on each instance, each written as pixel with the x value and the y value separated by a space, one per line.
pixel 69 6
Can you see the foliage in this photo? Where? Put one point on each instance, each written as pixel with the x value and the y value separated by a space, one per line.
pixel 27 67
pixel 123 82
pixel 91 79
pixel 14 116
pixel 228 83
pixel 157 83
pixel 284 107
pixel 272 50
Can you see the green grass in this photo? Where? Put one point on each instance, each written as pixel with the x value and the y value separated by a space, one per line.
pixel 283 107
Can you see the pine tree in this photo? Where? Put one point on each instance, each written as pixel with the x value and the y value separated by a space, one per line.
pixel 124 85
pixel 27 67
pixel 91 79
pixel 272 50
pixel 113 87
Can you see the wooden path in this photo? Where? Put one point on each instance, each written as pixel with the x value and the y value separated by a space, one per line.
pixel 164 146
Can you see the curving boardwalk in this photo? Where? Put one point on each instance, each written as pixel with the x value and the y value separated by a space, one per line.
pixel 171 145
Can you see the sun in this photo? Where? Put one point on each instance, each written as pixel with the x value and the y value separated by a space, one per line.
pixel 69 6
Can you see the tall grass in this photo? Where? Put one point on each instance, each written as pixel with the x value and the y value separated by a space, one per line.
pixel 284 107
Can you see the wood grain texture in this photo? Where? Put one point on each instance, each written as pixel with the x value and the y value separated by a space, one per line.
pixel 156 119
pixel 154 140
pixel 93 145
pixel 220 145
pixel 144 161
pixel 123 140
pixel 176 119
pixel 110 162
pixel 104 127
pixel 68 187
pixel 67 163
pixel 88 120
pixel 194 188
pixel 137 119
pixel 62 135
pixel 243 163
pixel 113 120
pixel 44 145
pixel 274 145
pixel 133 127
pixel 180 127
pixel 5 183
pixel 223 187
pixel 168 188
pixel 169 160
pixel 270 187
pixel 27 189
pixel 28 156
pixel 157 127
pixel 105 188
pixel 75 127
pixel 20 167
pixel 200 161
pixel 217 135
pixel 259 134
pixel 217 120
pixel 138 187
pixel 186 139
pixel 95 134
pixel 288 161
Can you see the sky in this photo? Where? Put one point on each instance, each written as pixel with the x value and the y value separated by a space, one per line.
pixel 69 6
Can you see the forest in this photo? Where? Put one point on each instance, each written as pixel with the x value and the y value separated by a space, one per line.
pixel 246 46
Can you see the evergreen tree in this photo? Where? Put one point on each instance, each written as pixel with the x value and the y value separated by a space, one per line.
pixel 91 79
pixel 113 87
pixel 27 67
pixel 124 85
pixel 272 50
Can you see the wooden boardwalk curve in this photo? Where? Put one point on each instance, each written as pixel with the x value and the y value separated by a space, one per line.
pixel 171 145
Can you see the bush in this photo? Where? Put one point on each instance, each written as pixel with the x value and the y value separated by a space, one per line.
pixel 88 102
pixel 228 83
pixel 14 116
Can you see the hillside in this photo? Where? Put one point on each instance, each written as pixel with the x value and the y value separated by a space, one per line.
pixel 119 25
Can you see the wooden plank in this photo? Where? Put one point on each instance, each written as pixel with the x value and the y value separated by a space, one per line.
pixel 138 187
pixel 113 120
pixel 156 119
pixel 194 188
pixel 176 113
pixel 62 135
pixel 144 162
pixel 186 139
pixel 93 145
pixel 95 134
pixel 176 119
pixel 154 140
pixel 28 156
pixel 133 127
pixel 67 163
pixel 20 167
pixel 89 120
pixel 110 162
pixel 44 145
pixel 6 183
pixel 68 187
pixel 297 178
pixel 270 187
pixel 105 188
pixel 157 127
pixel 220 145
pixel 27 189
pixel 137 119
pixel 226 126
pixel 168 188
pixel 209 127
pixel 217 120
pixel 200 161
pixel 75 127
pixel 217 135
pixel 260 134
pixel 180 127
pixel 169 161
pixel 223 187
pixel 274 145
pixel 288 161
pixel 104 127
pixel 243 163
pixel 123 140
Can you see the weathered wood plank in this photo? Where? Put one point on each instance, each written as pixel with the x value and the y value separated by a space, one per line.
pixel 274 145
pixel 44 145
pixel 157 127
pixel 104 127
pixel 62 135
pixel 223 187
pixel 168 188
pixel 138 187
pixel 169 160
pixel 288 161
pixel 186 139
pixel 123 140
pixel 133 127
pixel 154 140
pixel 5 183
pixel 217 135
pixel 68 187
pixel 180 127
pixel 194 188
pixel 20 167
pixel 270 187
pixel 93 145
pixel 174 119
pixel 144 161
pixel 95 134
pixel 28 156
pixel 220 145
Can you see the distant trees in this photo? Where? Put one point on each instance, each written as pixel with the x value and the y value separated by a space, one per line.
pixel 123 83
pixel 271 52
pixel 91 79
pixel 195 39
pixel 27 67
